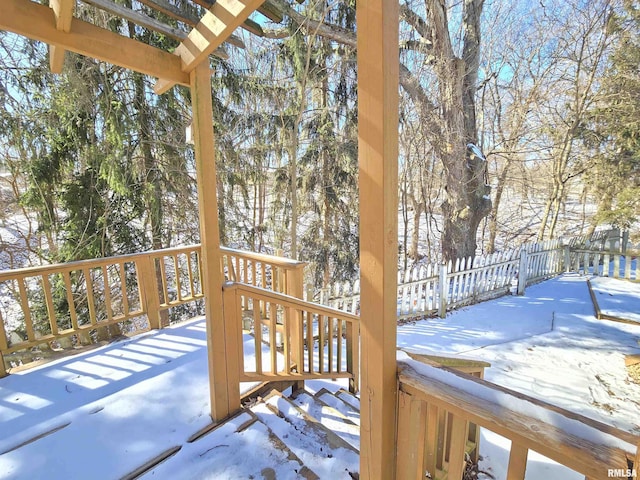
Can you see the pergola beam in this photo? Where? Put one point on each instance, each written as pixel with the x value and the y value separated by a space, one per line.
pixel 38 22
pixel 63 11
pixel 217 24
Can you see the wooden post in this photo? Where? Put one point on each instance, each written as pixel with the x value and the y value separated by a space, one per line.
pixel 444 291
pixel 221 406
pixel 522 272
pixel 567 259
pixel 147 286
pixel 378 67
pixel 295 288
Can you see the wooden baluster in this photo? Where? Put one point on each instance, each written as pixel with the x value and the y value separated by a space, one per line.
pixel 431 440
pixel 443 431
pixel 457 444
pixel 176 272
pixel 340 326
pixel 48 297
pixel 330 355
pixel 163 275
pixel 66 276
pixel 321 340
pixel 287 317
pixel 91 300
pixel 123 287
pixel 236 269
pixel 26 309
pixel 192 291
pixel 3 347
pixel 257 334
pixel 517 462
pixel 273 336
pixel 200 274
pixel 107 292
pixel 310 341
pixel 245 271
pixel 411 434
pixel 353 355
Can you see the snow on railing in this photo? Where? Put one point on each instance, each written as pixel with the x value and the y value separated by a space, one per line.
pixel 439 407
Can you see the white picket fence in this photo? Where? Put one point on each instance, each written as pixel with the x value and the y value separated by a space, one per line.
pixel 607 263
pixel 427 290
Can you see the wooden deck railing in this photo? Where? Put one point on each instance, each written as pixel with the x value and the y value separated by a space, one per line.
pixel 292 339
pixel 437 405
pixel 64 306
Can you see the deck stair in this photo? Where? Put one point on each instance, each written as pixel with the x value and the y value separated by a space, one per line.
pixel 277 437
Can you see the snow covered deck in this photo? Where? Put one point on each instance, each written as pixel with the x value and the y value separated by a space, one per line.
pixel 105 412
pixel 110 409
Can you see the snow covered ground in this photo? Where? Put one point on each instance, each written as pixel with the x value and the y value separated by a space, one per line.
pixel 616 298
pixel 120 405
pixel 547 344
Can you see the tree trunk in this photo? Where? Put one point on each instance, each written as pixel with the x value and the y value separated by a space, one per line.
pixel 467 199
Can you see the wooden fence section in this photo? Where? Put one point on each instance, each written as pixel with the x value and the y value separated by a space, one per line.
pixel 437 406
pixel 434 289
pixel 65 306
pixel 292 338
pixel 607 263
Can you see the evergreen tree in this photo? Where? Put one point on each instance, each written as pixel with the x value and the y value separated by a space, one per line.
pixel 616 175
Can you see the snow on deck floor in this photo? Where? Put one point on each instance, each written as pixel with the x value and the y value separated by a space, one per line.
pixel 129 401
pixel 547 344
pixel 124 404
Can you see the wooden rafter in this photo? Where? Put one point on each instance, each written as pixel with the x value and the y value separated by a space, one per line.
pixel 157 26
pixel 253 27
pixel 138 18
pixel 172 11
pixel 38 22
pixel 215 27
pixel 63 11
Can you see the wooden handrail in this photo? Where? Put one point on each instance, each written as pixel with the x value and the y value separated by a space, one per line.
pixel 263 257
pixel 300 325
pixel 90 263
pixel 289 301
pixel 582 444
pixel 102 293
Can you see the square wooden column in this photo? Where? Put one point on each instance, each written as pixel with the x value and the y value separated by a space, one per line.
pixel 378 70
pixel 225 396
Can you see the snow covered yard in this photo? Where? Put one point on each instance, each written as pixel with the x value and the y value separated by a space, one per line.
pixel 119 406
pixel 549 345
